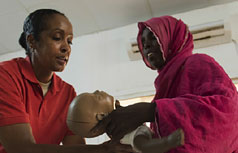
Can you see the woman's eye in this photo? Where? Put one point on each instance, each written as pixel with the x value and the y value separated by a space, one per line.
pixel 56 38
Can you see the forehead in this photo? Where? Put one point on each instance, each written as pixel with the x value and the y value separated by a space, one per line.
pixel 57 21
pixel 146 32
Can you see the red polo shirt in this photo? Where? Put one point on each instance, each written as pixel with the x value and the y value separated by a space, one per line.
pixel 22 101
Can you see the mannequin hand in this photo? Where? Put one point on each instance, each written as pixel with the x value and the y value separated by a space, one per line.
pixel 125 119
pixel 160 145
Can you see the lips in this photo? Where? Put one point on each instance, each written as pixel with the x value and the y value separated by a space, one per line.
pixel 152 57
pixel 62 59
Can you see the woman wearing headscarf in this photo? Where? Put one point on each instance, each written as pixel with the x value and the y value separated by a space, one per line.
pixel 193 93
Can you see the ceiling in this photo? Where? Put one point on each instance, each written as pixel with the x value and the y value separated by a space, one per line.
pixel 89 16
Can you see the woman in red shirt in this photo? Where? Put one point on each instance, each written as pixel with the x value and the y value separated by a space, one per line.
pixel 33 99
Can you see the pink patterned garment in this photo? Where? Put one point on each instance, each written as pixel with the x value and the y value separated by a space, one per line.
pixel 193 92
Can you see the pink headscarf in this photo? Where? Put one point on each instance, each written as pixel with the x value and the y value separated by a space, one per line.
pixel 172 35
pixel 176 44
pixel 193 92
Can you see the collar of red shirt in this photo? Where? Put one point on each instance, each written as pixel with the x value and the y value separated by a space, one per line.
pixel 27 71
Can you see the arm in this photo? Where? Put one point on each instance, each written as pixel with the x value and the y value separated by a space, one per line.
pixel 204 98
pixel 126 119
pixel 18 138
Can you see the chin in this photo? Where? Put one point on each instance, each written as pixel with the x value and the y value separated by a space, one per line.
pixel 59 69
pixel 153 67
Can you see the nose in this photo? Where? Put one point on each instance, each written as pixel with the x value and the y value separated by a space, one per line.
pixel 65 47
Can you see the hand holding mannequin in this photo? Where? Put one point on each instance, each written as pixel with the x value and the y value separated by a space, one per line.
pixel 84 113
pixel 87 109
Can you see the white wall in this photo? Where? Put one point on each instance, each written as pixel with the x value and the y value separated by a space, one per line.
pixel 100 61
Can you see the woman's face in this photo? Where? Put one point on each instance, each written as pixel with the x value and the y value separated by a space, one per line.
pixel 151 49
pixel 53 48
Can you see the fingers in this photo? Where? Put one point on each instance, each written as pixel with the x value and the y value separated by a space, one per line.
pixel 100 117
pixel 109 130
pixel 118 134
pixel 102 124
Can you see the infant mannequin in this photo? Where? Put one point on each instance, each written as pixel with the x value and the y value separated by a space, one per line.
pixel 87 109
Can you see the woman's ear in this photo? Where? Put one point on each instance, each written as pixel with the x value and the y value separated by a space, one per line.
pixel 31 41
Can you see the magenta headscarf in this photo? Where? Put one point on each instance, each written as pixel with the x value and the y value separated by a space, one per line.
pixel 172 35
pixel 193 92
pixel 176 44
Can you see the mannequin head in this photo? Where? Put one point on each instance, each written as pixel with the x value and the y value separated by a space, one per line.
pixel 86 110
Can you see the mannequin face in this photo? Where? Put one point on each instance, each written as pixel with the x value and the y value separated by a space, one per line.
pixel 85 112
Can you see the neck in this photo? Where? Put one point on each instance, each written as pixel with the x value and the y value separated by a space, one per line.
pixel 43 75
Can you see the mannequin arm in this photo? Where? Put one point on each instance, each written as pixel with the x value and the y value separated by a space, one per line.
pixel 141 140
pixel 145 144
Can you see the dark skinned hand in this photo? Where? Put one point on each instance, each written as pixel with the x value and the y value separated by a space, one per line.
pixel 123 120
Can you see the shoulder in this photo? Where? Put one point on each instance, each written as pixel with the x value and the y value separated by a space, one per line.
pixel 63 84
pixel 202 61
pixel 10 67
pixel 205 76
pixel 200 58
pixel 202 65
pixel 9 64
pixel 11 76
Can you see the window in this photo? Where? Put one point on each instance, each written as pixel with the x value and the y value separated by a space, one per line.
pixel 131 101
pixel 235 81
pixel 236 86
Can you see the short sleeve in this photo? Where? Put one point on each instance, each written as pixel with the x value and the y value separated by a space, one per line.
pixel 12 107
